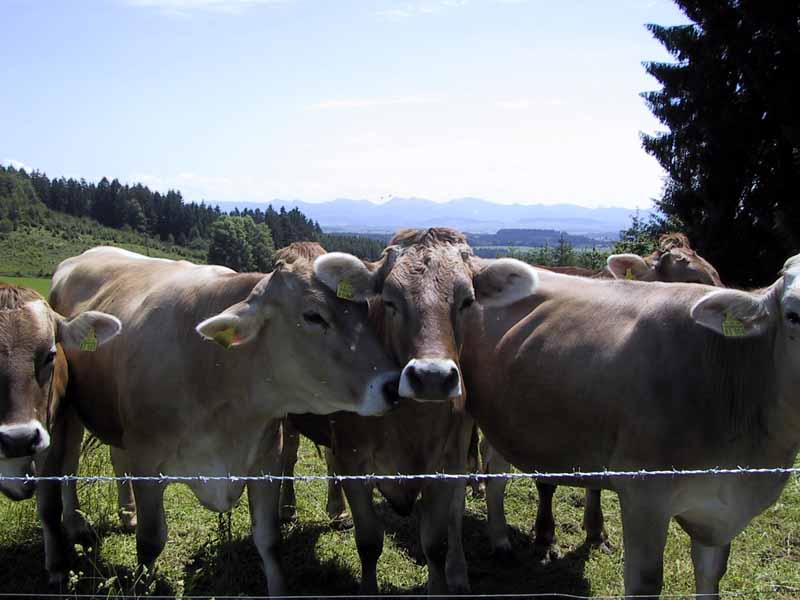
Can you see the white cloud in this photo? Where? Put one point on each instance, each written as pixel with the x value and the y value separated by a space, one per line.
pixel 359 103
pixel 17 164
pixel 419 8
pixel 185 7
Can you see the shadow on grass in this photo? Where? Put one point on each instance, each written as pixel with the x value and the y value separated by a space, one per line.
pixel 23 573
pixel 221 566
pixel 488 574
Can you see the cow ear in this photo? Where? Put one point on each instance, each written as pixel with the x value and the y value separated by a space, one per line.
pixel 503 282
pixel 731 313
pixel 628 266
pixel 234 326
pixel 350 277
pixel 87 331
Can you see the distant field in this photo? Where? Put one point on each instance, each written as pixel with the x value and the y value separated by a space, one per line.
pixel 41 285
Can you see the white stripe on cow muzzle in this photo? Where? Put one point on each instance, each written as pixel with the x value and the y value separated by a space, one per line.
pixel 430 380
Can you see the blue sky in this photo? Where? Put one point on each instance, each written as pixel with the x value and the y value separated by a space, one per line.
pixel 527 101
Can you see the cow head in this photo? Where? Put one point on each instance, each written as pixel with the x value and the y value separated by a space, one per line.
pixel 674 261
pixel 32 366
pixel 321 350
pixel 428 280
pixel 740 314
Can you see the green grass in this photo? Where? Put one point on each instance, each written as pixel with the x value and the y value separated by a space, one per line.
pixel 36 251
pixel 41 285
pixel 206 555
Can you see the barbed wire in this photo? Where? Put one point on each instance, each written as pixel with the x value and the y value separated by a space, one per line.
pixel 777 589
pixel 576 474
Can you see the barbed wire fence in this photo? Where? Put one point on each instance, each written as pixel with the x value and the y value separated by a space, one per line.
pixel 576 474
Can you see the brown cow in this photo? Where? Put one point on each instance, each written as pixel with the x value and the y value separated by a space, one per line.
pixel 673 261
pixel 33 376
pixel 427 290
pixel 336 509
pixel 625 375
pixel 171 402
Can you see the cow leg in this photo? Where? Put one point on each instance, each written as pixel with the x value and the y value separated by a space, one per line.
pixel 495 502
pixel 435 519
pixel 126 503
pixel 65 437
pixel 151 527
pixel 545 525
pixel 644 534
pixel 473 462
pixel 593 521
pixel 456 563
pixel 335 506
pixel 369 532
pixel 264 499
pixel 291 445
pixel 76 527
pixel 456 461
pixel 710 564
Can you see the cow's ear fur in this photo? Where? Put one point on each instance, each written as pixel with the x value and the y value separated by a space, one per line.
pixel 94 325
pixel 732 313
pixel 234 326
pixel 349 277
pixel 503 282
pixel 619 264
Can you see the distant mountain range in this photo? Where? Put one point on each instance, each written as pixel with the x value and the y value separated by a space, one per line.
pixel 472 215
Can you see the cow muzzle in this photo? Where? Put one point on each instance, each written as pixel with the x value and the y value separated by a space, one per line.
pixel 430 380
pixel 23 439
pixel 18 467
pixel 380 396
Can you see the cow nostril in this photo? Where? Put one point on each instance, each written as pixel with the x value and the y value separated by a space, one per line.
pixel 35 439
pixel 452 378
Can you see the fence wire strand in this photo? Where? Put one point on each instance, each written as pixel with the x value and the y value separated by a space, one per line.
pixel 577 474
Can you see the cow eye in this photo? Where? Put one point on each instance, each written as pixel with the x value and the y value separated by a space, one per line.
pixel 793 317
pixel 390 304
pixel 315 318
pixel 467 302
pixel 47 358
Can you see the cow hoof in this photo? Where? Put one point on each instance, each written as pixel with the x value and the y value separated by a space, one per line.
pixel 79 531
pixel 288 515
pixel 460 588
pixel 127 521
pixel 505 555
pixel 56 580
pixel 603 545
pixel 544 555
pixel 341 522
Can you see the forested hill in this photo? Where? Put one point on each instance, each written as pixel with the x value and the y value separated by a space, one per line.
pixel 43 221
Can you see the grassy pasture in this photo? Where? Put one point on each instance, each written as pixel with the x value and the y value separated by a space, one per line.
pixel 209 555
pixel 40 284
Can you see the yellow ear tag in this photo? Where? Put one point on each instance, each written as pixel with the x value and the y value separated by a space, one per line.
pixel 732 327
pixel 345 290
pixel 629 274
pixel 225 337
pixel 89 342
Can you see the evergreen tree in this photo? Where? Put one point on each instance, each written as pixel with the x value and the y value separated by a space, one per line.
pixel 731 151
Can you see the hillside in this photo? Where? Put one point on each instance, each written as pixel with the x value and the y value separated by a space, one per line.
pixel 35 238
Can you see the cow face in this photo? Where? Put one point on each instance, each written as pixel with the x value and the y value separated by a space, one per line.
pixel 674 265
pixel 32 364
pixel 740 314
pixel 428 281
pixel 322 352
